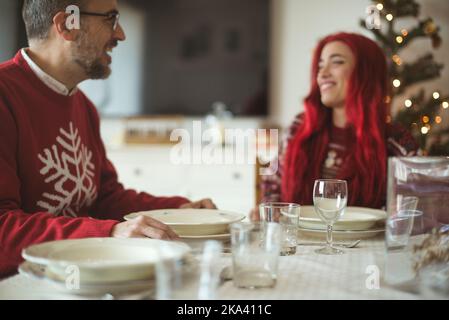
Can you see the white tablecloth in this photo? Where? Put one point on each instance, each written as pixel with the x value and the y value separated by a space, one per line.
pixel 305 275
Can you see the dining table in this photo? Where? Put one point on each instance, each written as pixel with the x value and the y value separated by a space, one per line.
pixel 355 275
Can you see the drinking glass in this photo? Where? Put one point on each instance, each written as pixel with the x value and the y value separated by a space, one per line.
pixel 329 199
pixel 287 215
pixel 190 278
pixel 401 227
pixel 255 254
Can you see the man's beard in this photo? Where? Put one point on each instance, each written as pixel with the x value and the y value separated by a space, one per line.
pixel 85 55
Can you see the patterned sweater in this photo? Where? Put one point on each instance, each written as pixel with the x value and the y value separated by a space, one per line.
pixel 399 143
pixel 55 179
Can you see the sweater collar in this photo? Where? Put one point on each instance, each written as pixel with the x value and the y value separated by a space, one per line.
pixel 48 80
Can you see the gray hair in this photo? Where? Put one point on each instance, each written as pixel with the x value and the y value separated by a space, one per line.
pixel 38 15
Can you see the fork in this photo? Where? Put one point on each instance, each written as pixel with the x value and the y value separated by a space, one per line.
pixel 343 245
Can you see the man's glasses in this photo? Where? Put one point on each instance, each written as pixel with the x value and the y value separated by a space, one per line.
pixel 111 16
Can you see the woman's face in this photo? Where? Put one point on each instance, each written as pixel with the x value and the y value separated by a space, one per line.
pixel 334 71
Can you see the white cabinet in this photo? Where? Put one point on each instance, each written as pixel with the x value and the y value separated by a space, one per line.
pixel 149 169
pixel 230 186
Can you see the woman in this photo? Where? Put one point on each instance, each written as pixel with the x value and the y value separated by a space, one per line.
pixel 343 132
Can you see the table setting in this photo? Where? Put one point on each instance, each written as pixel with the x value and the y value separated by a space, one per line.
pixel 325 251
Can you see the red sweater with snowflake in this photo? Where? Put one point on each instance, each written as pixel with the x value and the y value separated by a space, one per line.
pixel 55 179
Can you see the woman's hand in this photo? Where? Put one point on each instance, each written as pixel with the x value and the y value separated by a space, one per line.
pixel 143 227
pixel 202 204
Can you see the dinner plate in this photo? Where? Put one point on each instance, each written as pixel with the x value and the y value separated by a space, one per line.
pixel 224 236
pixel 353 219
pixel 104 260
pixel 193 222
pixel 55 282
pixel 340 234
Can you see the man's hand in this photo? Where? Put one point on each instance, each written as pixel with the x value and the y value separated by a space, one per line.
pixel 202 204
pixel 143 227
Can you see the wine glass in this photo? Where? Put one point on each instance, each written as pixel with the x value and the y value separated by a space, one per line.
pixel 329 199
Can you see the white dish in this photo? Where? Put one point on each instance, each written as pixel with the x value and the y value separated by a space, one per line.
pixel 340 234
pixel 104 260
pixel 193 222
pixel 209 237
pixel 353 219
pixel 94 290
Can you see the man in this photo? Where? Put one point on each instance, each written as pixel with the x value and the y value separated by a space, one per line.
pixel 55 180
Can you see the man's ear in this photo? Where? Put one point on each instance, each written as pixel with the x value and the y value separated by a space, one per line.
pixel 66 26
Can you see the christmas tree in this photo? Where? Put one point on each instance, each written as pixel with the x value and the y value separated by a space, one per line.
pixel 422 112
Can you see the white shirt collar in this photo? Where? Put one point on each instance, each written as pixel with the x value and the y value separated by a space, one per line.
pixel 51 82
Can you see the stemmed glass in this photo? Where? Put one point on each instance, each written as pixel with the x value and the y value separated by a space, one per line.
pixel 330 198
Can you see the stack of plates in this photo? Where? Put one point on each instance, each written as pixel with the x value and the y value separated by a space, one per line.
pixel 356 222
pixel 195 223
pixel 98 266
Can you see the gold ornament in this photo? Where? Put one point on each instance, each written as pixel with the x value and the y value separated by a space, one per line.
pixel 430 27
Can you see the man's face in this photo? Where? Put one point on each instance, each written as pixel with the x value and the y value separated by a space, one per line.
pixel 97 39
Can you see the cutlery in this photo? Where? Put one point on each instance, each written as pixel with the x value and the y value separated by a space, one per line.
pixel 343 245
pixel 227 250
pixel 226 273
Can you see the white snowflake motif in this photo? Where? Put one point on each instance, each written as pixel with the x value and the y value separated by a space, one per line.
pixel 71 171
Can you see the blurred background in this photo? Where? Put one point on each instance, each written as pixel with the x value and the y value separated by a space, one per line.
pixel 179 58
pixel 246 64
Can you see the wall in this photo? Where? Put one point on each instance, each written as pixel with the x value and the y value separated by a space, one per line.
pixel 8 29
pixel 121 94
pixel 299 24
pixel 297 27
pixel 190 66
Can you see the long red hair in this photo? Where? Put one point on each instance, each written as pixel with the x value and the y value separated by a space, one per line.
pixel 366 112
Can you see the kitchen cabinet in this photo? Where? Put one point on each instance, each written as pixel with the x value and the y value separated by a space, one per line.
pixel 149 169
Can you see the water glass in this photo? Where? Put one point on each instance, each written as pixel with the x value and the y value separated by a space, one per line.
pixel 190 278
pixel 255 254
pixel 287 215
pixel 401 226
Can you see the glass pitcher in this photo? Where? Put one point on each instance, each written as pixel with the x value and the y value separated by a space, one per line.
pixel 417 233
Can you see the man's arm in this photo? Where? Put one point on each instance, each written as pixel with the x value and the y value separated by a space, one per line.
pixel 19 229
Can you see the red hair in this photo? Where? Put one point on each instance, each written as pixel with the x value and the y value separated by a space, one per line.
pixel 366 112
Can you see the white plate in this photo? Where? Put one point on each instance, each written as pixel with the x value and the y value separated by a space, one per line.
pixel 209 237
pixel 104 260
pixel 353 219
pixel 41 272
pixel 340 235
pixel 193 222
